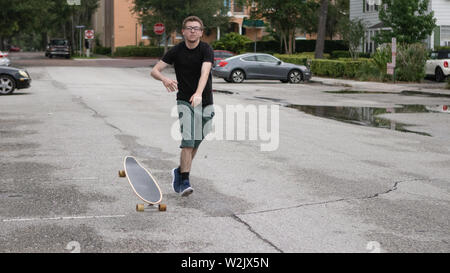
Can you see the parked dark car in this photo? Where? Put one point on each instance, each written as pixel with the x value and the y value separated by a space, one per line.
pixel 58 47
pixel 13 78
pixel 220 55
pixel 260 66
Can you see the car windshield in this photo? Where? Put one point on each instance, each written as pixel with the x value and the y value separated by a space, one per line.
pixel 58 42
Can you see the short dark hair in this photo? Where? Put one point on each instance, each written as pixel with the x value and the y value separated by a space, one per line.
pixel 192 19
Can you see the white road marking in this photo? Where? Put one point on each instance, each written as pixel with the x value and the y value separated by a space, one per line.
pixel 63 218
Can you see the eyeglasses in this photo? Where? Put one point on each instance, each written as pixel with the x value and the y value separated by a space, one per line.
pixel 196 29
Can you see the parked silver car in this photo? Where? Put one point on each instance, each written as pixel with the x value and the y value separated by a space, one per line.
pixel 260 66
pixel 4 61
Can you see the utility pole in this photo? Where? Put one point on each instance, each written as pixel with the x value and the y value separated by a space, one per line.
pixel 73 3
pixel 81 39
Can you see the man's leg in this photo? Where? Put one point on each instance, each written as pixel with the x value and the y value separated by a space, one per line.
pixel 187 154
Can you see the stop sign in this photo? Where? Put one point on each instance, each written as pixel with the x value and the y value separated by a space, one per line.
pixel 89 34
pixel 159 28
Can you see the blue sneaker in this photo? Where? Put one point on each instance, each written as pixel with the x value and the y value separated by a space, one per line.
pixel 186 188
pixel 176 179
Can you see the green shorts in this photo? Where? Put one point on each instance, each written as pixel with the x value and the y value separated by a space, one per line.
pixel 195 123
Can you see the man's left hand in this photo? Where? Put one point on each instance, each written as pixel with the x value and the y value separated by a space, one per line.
pixel 195 100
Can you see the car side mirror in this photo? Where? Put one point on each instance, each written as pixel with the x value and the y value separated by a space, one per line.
pixel 279 62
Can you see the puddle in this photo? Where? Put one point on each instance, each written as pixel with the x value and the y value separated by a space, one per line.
pixel 224 92
pixel 359 92
pixel 426 94
pixel 368 116
pixel 271 99
pixel 402 93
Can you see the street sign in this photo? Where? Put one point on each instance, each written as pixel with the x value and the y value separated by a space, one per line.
pixel 89 34
pixel 390 69
pixel 74 2
pixel 159 28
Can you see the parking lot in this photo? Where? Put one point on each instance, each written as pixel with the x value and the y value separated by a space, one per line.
pixel 332 184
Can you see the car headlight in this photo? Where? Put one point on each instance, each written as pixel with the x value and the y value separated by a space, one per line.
pixel 23 73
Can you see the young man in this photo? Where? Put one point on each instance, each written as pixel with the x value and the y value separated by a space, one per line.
pixel 192 60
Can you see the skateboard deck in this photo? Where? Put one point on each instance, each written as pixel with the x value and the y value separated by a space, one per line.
pixel 143 183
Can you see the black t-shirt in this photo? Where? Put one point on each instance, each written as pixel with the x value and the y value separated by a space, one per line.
pixel 188 66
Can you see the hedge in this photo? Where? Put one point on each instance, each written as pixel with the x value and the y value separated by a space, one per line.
pixel 338 54
pixel 102 50
pixel 294 59
pixel 300 46
pixel 299 58
pixel 139 51
pixel 336 68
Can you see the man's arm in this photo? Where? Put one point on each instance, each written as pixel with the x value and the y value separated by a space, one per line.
pixel 197 97
pixel 171 85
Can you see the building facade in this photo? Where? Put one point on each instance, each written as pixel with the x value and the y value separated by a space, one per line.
pixel 360 9
pixel 115 25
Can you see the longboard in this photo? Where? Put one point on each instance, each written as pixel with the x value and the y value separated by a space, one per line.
pixel 143 184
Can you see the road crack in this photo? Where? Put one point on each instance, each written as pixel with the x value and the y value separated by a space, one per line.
pixel 250 228
pixel 393 188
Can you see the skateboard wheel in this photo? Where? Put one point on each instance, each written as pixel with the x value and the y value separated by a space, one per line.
pixel 162 207
pixel 140 207
pixel 122 174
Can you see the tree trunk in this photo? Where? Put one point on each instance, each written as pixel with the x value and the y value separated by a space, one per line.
pixel 290 42
pixel 166 44
pixel 320 42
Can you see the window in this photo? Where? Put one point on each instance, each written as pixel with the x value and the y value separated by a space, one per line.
pixel 249 59
pixel 266 59
pixel 145 34
pixel 443 55
pixel 227 4
pixel 237 7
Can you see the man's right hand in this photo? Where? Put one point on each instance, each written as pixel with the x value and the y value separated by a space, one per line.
pixel 171 85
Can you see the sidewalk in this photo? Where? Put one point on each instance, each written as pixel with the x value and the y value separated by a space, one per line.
pixel 426 86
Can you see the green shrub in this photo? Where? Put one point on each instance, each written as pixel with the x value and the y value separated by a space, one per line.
pixel 411 60
pixel 102 50
pixel 336 68
pixel 369 71
pixel 294 59
pixel 139 51
pixel 300 46
pixel 336 54
pixel 233 42
pixel 303 58
pixel 380 59
pixel 442 48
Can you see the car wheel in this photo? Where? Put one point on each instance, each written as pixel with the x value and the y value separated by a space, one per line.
pixel 237 76
pixel 7 85
pixel 295 76
pixel 439 75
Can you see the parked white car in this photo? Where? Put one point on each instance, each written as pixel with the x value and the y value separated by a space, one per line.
pixel 439 65
pixel 4 60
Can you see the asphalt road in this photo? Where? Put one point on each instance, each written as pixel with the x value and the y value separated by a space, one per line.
pixel 328 186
